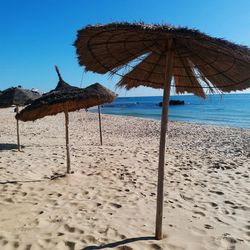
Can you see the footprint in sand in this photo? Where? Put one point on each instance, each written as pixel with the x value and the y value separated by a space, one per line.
pixel 115 205
pixel 90 238
pixel 186 198
pixel 9 200
pixel 207 226
pixel 28 247
pixel 213 204
pixel 125 248
pixel 229 242
pixel 155 247
pixel 219 220
pixel 70 244
pixel 69 229
pixel 15 244
pixel 200 213
pixel 217 192
pixel 229 202
pixel 4 242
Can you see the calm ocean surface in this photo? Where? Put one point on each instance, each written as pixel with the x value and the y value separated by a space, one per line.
pixel 229 110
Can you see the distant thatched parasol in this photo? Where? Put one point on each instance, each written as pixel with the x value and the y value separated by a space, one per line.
pixel 19 97
pixel 161 56
pixel 66 98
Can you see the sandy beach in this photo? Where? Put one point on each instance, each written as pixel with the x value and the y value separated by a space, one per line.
pixel 109 200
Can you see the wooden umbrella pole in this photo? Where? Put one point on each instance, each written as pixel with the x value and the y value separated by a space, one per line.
pixel 100 123
pixel 67 138
pixel 17 128
pixel 164 123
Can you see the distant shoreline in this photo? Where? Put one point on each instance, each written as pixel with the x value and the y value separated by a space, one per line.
pixel 224 126
pixel 227 110
pixel 178 95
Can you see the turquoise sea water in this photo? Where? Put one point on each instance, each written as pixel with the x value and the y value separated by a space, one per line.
pixel 230 110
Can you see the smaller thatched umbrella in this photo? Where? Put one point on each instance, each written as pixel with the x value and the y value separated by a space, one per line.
pixel 66 98
pixel 19 97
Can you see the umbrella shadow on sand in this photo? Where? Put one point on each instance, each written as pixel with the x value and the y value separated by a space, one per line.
pixel 8 146
pixel 52 177
pixel 119 243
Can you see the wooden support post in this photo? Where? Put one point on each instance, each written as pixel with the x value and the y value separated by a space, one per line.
pixel 67 138
pixel 100 123
pixel 164 123
pixel 17 128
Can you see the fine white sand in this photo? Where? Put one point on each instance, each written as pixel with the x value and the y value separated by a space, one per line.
pixel 109 201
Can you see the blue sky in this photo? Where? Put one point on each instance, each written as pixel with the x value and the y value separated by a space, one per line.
pixel 37 34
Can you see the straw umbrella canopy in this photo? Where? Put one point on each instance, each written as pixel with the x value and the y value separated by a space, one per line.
pixel 66 98
pixel 19 97
pixel 161 56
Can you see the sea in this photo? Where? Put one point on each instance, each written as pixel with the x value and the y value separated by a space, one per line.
pixel 232 110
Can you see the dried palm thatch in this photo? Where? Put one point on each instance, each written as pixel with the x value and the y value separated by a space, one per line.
pixel 66 98
pixel 74 98
pixel 161 56
pixel 200 61
pixel 19 97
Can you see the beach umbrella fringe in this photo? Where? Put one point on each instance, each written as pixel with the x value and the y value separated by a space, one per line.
pixel 214 63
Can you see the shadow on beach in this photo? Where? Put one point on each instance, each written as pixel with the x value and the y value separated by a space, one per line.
pixel 8 146
pixel 119 243
pixel 51 178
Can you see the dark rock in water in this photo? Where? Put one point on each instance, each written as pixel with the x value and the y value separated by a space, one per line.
pixel 176 102
pixel 173 102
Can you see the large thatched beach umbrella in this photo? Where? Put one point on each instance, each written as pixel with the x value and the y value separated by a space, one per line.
pixel 17 96
pixel 161 56
pixel 66 98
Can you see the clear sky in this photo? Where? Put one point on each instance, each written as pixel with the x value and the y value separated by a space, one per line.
pixel 37 34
